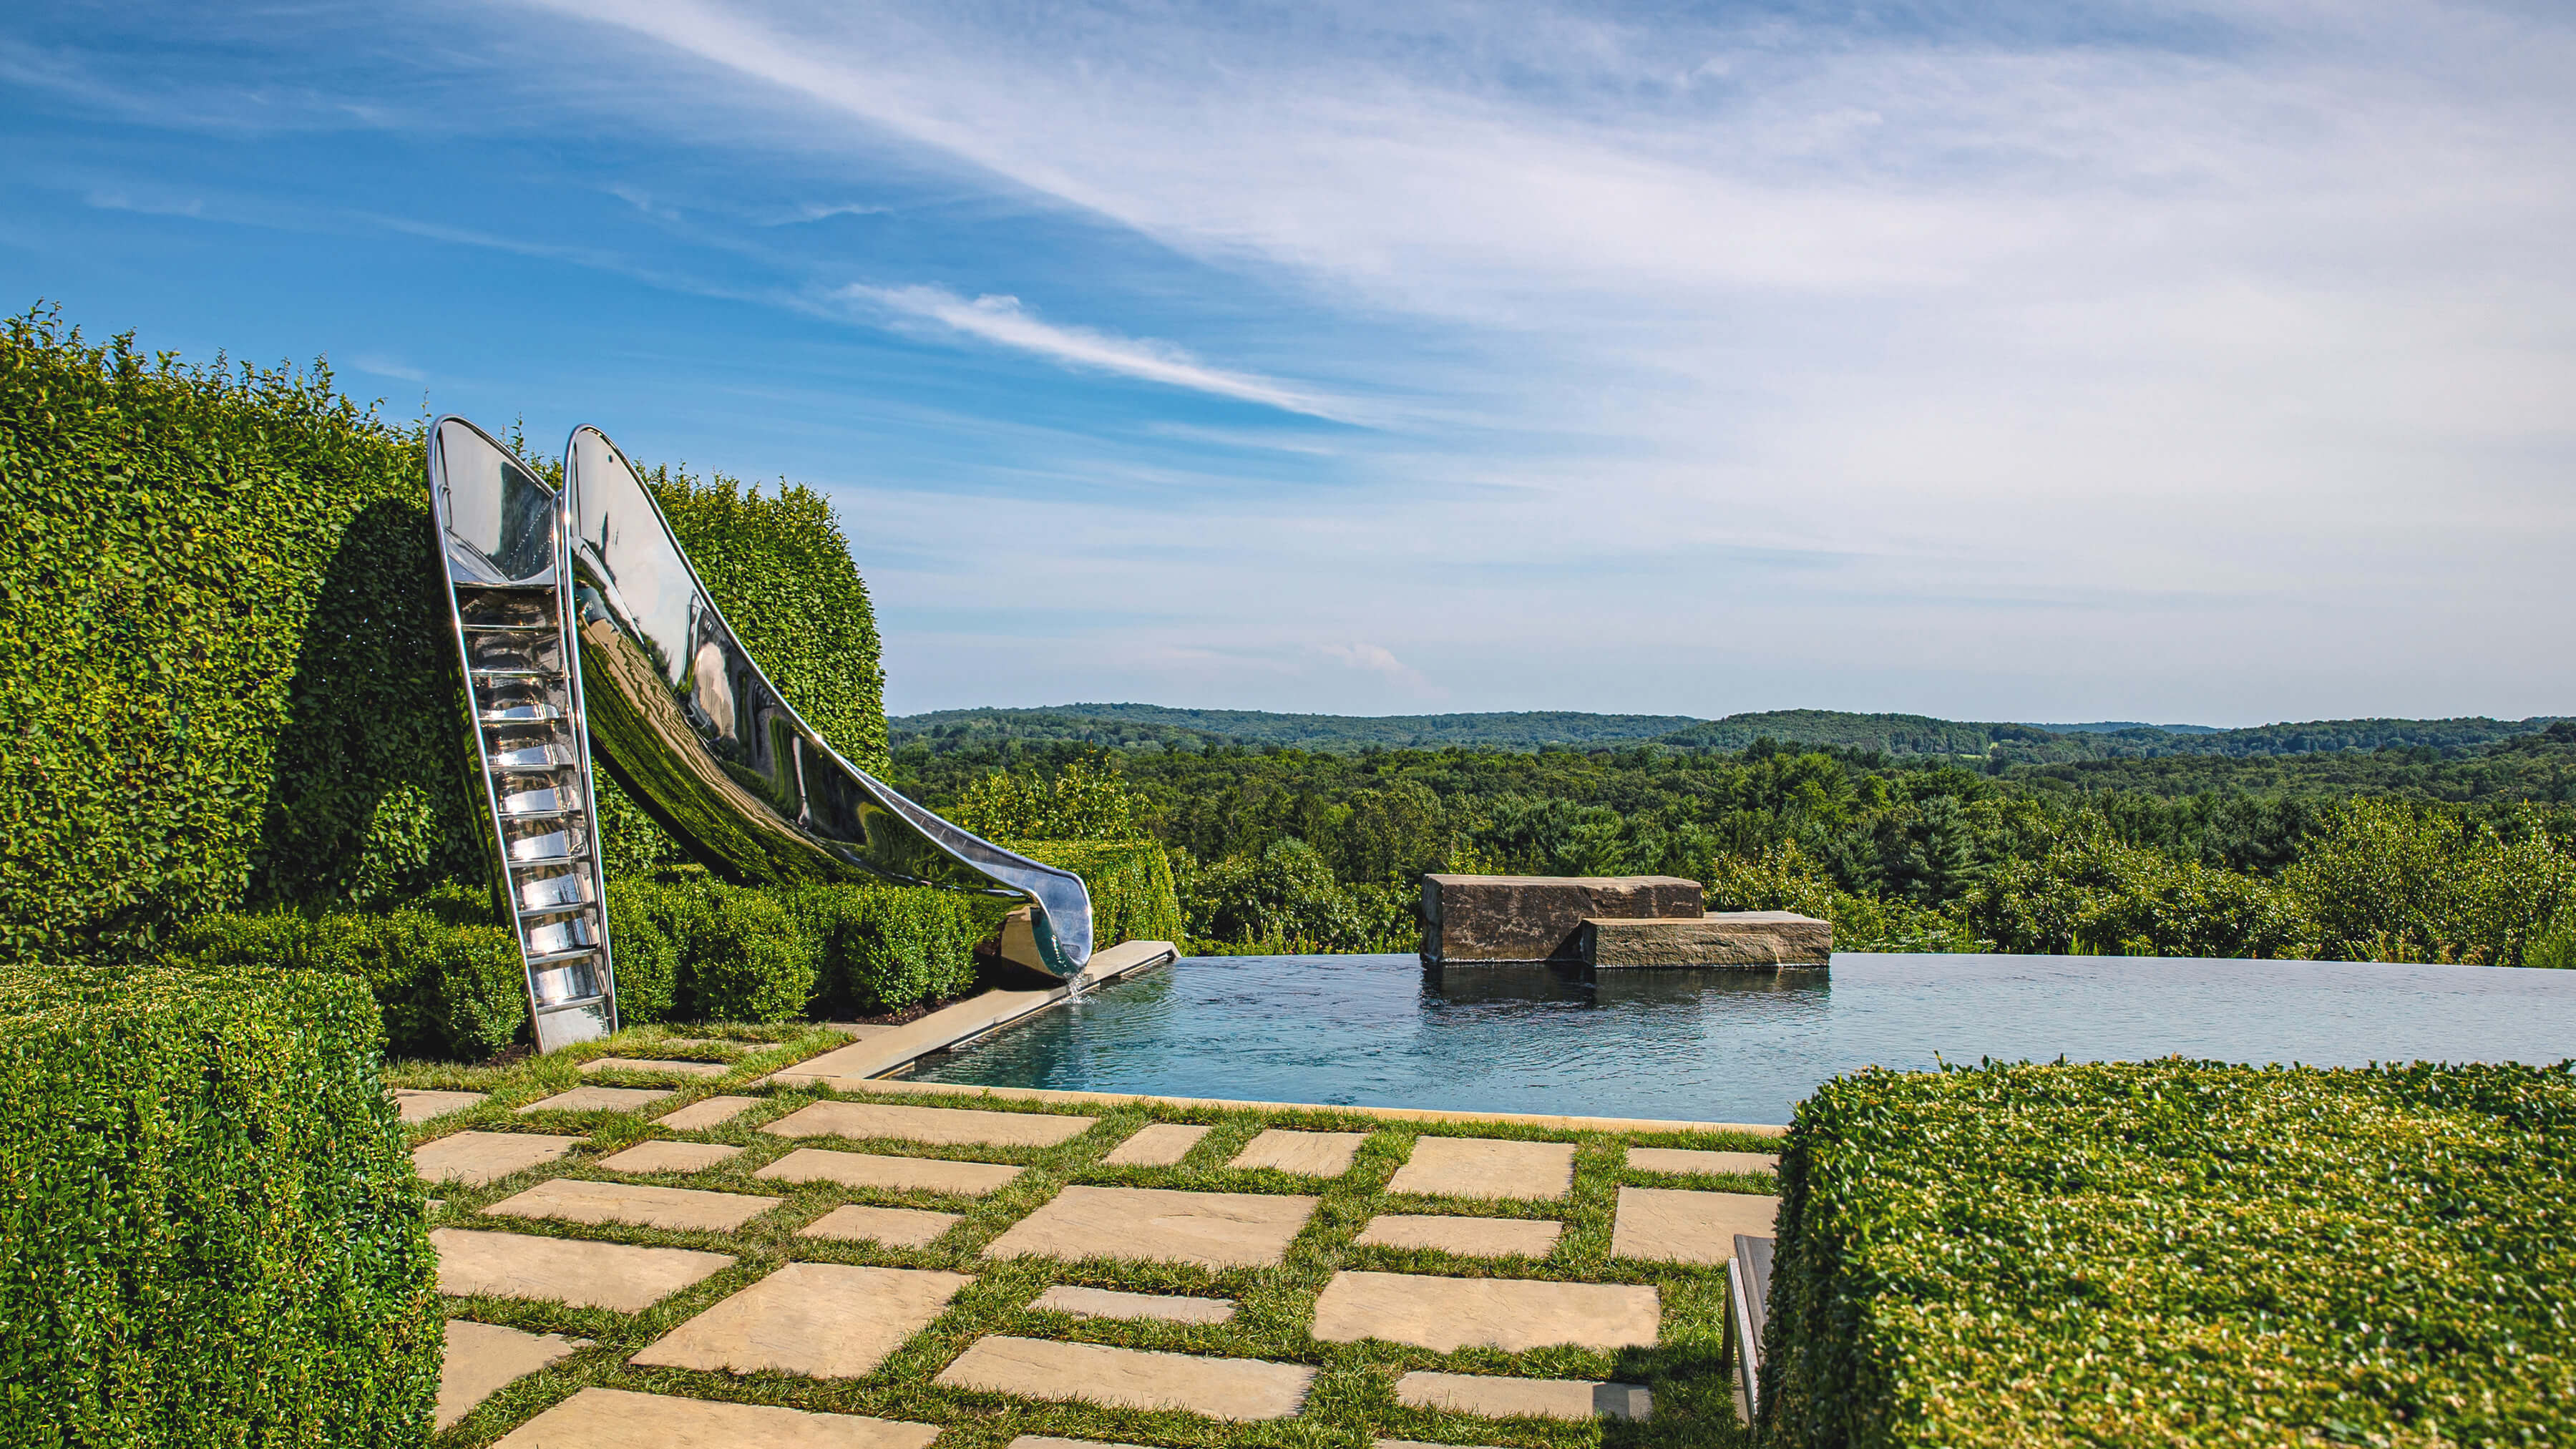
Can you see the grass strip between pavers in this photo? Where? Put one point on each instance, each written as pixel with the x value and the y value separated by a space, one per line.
pixel 1352 1401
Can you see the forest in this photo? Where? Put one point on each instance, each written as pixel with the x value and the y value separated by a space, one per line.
pixel 2456 851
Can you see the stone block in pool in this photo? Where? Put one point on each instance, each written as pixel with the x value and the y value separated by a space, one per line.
pixel 1753 939
pixel 1468 918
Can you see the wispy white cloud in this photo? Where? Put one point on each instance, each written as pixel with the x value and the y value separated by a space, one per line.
pixel 1379 660
pixel 380 365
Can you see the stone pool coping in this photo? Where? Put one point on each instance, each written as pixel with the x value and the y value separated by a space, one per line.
pixel 1545 1121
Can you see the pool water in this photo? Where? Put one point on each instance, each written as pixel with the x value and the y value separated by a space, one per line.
pixel 1735 1046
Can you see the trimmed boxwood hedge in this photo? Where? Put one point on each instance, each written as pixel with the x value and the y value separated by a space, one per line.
pixel 214 1235
pixel 1132 897
pixel 2176 1252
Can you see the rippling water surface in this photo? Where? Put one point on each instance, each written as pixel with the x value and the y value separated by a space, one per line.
pixel 1731 1045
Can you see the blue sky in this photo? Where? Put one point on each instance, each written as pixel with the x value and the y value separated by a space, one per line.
pixel 2023 362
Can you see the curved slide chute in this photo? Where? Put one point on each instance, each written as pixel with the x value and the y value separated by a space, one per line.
pixel 651 679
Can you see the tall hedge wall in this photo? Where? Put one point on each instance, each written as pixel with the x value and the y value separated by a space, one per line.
pixel 1132 895
pixel 214 1233
pixel 224 673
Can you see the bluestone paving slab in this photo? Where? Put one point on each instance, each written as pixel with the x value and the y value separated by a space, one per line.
pixel 1308 1154
pixel 1159 1144
pixel 1502 1398
pixel 707 1112
pixel 1467 1237
pixel 655 1066
pixel 614 1276
pixel 416 1104
pixel 1220 1388
pixel 617 1419
pixel 600 1099
pixel 479 1159
pixel 1211 1229
pixel 685 1209
pixel 939 1126
pixel 1486 1167
pixel 1671 1225
pixel 482 1357
pixel 1109 1303
pixel 1512 1314
pixel 899 1174
pixel 670 1157
pixel 829 1320
pixel 1687 1159
pixel 894 1227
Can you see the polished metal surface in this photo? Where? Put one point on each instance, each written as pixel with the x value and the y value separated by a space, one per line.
pixel 695 731
pixel 500 536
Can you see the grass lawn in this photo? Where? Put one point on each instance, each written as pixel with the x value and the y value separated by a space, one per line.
pixel 1352 1401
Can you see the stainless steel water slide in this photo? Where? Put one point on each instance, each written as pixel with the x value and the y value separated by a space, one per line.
pixel 582 629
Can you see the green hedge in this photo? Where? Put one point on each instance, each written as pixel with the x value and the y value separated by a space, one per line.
pixel 214 1233
pixel 1132 896
pixel 2176 1252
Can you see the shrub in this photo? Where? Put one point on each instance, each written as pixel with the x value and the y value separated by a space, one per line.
pixel 2092 894
pixel 1287 903
pixel 1782 878
pixel 1132 892
pixel 449 982
pixel 2387 881
pixel 749 959
pixel 215 1235
pixel 885 948
pixel 2175 1252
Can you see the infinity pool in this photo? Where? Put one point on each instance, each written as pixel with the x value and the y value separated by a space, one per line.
pixel 1735 1046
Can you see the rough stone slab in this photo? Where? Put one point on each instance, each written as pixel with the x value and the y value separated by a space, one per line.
pixel 1220 1388
pixel 482 1358
pixel 1211 1229
pixel 939 1126
pixel 1670 1225
pixel 899 1174
pixel 894 1227
pixel 617 1419
pixel 655 1067
pixel 707 1112
pixel 1467 1237
pixel 586 1275
pixel 1486 1167
pixel 479 1159
pixel 680 1208
pixel 828 1320
pixel 599 1099
pixel 1720 938
pixel 1159 1144
pixel 1512 1314
pixel 415 1104
pixel 1501 1398
pixel 1307 1154
pixel 1109 1303
pixel 670 1157
pixel 1690 1159
pixel 1537 917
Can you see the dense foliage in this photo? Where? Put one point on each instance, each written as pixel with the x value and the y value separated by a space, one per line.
pixel 214 1232
pixel 2176 1252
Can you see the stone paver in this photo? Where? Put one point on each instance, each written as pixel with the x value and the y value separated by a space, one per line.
pixel 586 1275
pixel 1467 1237
pixel 1485 1167
pixel 1109 1303
pixel 894 1227
pixel 1308 1154
pixel 655 1066
pixel 670 1157
pixel 1158 1145
pixel 479 1159
pixel 1211 1229
pixel 901 1174
pixel 1687 1159
pixel 824 1319
pixel 708 1112
pixel 1501 1398
pixel 415 1104
pixel 599 1099
pixel 1050 1441
pixel 685 1209
pixel 481 1358
pixel 1220 1388
pixel 1670 1225
pixel 1514 1315
pixel 1422 1444
pixel 617 1419
pixel 940 1126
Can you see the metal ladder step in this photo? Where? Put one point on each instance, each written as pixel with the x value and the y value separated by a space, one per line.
pixel 518 674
